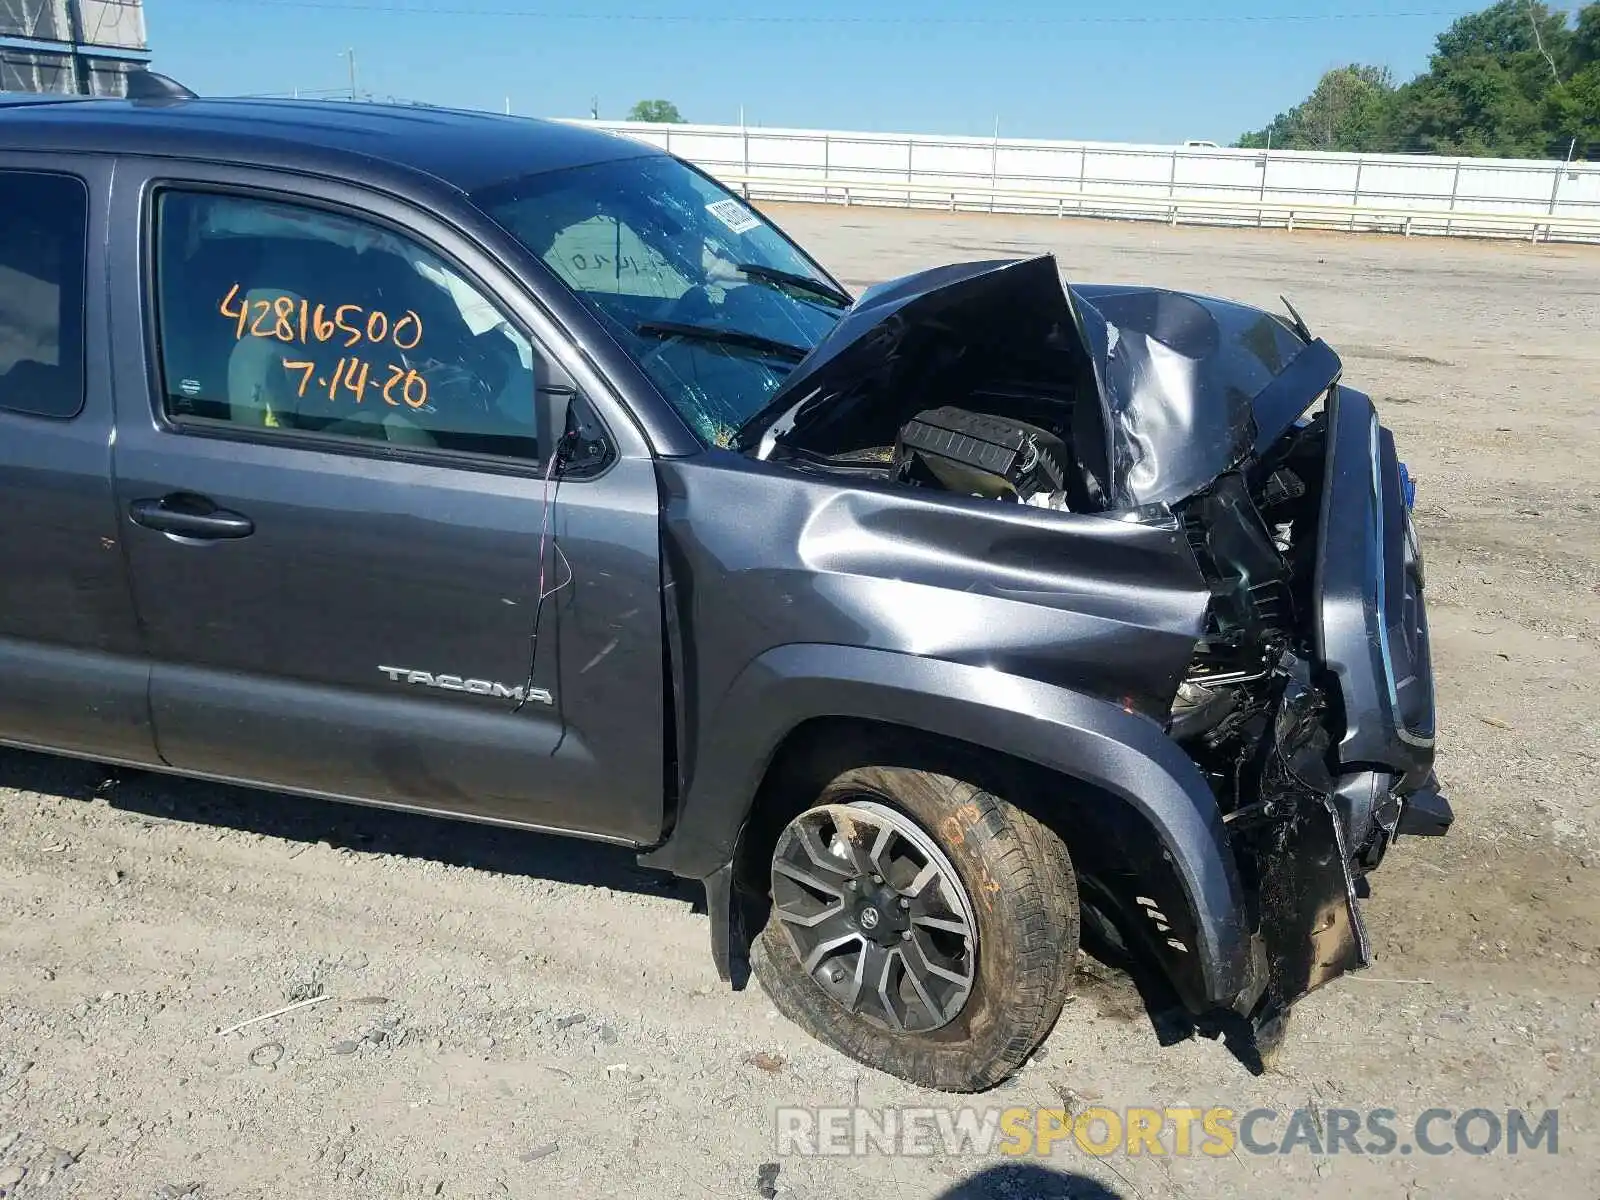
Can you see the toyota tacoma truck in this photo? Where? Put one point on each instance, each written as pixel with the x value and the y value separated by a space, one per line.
pixel 522 473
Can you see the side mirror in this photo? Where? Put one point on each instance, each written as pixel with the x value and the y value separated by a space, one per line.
pixel 553 405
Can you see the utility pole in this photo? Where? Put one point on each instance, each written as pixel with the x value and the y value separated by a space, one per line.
pixel 351 55
pixel 594 108
pixel 81 80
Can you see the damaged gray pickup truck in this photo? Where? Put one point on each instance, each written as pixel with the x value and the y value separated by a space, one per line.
pixel 520 473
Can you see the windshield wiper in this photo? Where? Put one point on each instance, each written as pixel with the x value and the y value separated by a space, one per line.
pixel 803 283
pixel 786 351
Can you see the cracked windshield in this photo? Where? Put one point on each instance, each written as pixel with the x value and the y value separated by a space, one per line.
pixel 713 303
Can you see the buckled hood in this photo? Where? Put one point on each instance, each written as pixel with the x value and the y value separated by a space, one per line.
pixel 1172 377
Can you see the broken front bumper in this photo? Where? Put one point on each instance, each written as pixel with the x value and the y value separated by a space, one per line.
pixel 1372 633
pixel 1350 765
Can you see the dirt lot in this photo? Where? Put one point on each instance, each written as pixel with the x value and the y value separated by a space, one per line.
pixel 514 1015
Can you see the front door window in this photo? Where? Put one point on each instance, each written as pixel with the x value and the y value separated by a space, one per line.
pixel 279 317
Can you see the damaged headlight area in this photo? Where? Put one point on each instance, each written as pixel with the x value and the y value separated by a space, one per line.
pixel 1308 706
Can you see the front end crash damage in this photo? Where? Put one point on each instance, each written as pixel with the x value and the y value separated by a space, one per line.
pixel 1293 840
pixel 1310 703
pixel 1308 706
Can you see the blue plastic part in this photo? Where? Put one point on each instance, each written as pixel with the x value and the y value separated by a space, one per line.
pixel 1408 488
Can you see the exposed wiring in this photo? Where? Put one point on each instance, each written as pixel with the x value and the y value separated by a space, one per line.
pixel 551 472
pixel 567 566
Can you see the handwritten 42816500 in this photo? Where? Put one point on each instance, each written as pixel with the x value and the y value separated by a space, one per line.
pixel 289 320
pixel 299 322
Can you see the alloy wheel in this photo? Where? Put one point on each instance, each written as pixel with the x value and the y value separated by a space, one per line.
pixel 876 914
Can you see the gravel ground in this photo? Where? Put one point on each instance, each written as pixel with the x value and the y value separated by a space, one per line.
pixel 515 1015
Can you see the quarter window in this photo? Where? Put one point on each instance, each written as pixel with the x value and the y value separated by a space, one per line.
pixel 44 224
pixel 275 316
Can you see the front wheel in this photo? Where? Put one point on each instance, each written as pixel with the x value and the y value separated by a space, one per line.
pixel 922 926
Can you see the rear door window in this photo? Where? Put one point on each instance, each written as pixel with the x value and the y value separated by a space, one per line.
pixel 44 227
pixel 280 317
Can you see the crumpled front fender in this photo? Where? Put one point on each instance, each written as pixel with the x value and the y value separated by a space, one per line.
pixel 1207 947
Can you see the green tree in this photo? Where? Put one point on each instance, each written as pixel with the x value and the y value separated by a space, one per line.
pixel 1490 84
pixel 662 112
pixel 1349 110
pixel 1574 108
pixel 1518 79
pixel 1585 49
pixel 1504 30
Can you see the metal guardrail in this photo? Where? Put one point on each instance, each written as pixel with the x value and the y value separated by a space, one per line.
pixel 1538 200
pixel 1256 212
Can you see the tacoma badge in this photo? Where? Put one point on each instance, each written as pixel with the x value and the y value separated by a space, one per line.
pixel 474 687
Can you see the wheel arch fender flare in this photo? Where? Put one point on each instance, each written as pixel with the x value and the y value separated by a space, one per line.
pixel 1066 732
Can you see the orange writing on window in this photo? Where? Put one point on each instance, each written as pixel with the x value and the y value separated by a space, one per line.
pixel 300 322
pixel 353 377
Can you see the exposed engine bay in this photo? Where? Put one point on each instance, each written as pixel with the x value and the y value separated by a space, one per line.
pixel 989 457
pixel 1005 446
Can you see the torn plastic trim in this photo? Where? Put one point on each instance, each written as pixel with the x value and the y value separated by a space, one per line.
pixel 1309 917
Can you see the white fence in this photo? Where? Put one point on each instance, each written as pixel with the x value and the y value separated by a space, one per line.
pixel 1200 185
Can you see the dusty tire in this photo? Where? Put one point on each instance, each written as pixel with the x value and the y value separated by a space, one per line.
pixel 1024 905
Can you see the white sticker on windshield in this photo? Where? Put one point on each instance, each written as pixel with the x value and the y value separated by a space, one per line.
pixel 734 215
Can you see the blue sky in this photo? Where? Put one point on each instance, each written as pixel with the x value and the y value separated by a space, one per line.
pixel 1131 71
